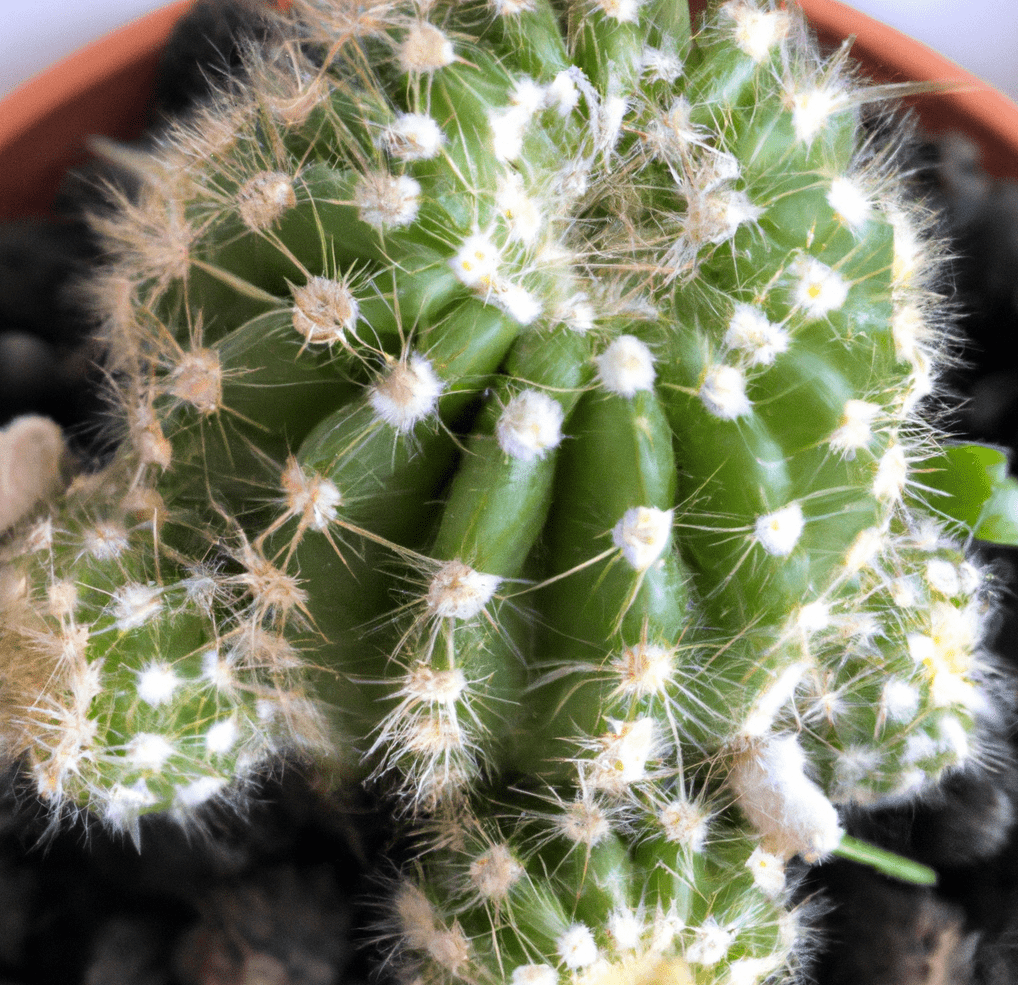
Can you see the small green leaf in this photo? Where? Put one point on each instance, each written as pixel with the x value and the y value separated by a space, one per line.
pixel 976 490
pixel 888 863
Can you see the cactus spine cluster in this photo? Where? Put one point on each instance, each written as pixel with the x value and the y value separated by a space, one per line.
pixel 519 406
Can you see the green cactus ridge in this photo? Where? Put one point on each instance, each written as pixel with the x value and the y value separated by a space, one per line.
pixel 528 392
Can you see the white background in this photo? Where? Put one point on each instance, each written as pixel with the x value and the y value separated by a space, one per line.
pixel 982 35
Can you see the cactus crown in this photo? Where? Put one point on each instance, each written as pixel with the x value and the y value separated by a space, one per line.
pixel 520 406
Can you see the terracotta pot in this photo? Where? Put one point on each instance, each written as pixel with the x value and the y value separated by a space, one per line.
pixel 105 88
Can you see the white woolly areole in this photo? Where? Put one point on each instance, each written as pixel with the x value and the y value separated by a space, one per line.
pixel 528 94
pixel 521 212
pixel 623 11
pixel 494 873
pixel 263 199
pixel 457 591
pixel 476 261
pixel 324 310
pixel 908 247
pixel 789 811
pixel 714 217
pixel 757 32
pixel 516 301
pixel 584 821
pixel 220 738
pixel 685 823
pixel 868 544
pixel 530 425
pixel 534 974
pixel 766 707
pixel 723 392
pixel 426 685
pixel 199 791
pixel 408 393
pixel 124 804
pixel 855 429
pixel 134 605
pixel 312 497
pixel 412 137
pixel 562 92
pixel 814 617
pixel 768 871
pixel 642 534
pixel 508 128
pixel 626 929
pixel 148 751
pixel 778 532
pixel 942 576
pixel 425 49
pixel 811 111
pixel 644 669
pixel 660 65
pixel 197 379
pixel 710 943
pixel 851 203
pixel 819 290
pixel 751 332
pixel 892 474
pixel 385 201
pixel 577 947
pixel 626 366
pixel 622 759
pixel 752 971
pixel 156 684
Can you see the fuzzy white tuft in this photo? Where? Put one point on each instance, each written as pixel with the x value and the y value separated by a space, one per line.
pixel 723 392
pixel 457 591
pixel 385 201
pixel 789 811
pixel 768 871
pixel 757 32
pixel 851 203
pixel 534 974
pixel 425 49
pixel 577 947
pixel 134 605
pixel 148 751
pixel 686 823
pixel 157 684
pixel 495 872
pixel 778 532
pixel 642 534
pixel 476 262
pixel 855 429
pixel 818 290
pixel 412 137
pixel 626 366
pixel 711 943
pixel 751 332
pixel 407 393
pixel 530 425
pixel 324 310
pixel 221 737
pixel 622 758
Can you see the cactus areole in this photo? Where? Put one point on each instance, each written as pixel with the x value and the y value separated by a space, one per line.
pixel 520 408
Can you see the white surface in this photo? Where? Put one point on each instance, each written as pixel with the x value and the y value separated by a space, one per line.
pixel 36 33
pixel 981 35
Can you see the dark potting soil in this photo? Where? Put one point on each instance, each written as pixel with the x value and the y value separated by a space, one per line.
pixel 280 893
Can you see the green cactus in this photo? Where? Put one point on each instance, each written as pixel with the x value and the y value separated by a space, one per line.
pixel 520 407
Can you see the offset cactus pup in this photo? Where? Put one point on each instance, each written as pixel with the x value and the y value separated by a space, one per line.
pixel 522 409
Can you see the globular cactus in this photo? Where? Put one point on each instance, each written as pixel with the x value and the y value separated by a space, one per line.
pixel 520 406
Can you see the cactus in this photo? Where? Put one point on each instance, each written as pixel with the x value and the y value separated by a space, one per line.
pixel 521 408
